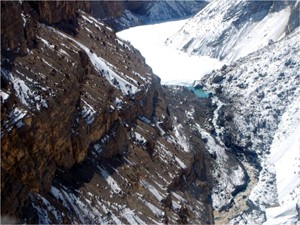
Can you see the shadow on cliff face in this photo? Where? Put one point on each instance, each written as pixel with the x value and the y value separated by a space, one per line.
pixel 48 89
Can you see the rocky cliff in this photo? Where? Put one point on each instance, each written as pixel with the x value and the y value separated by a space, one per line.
pixel 90 136
pixel 18 31
pixel 84 115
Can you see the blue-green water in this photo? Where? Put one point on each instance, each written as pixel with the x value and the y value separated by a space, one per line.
pixel 199 92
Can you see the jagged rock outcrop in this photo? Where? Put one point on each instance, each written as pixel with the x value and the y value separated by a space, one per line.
pixel 12 44
pixel 54 12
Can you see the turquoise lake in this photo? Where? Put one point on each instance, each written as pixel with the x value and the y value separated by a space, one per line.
pixel 199 92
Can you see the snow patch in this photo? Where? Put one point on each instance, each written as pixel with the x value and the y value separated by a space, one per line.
pixel 110 181
pixel 286 148
pixel 25 94
pixel 4 96
pixel 139 138
pixel 152 189
pixel 87 112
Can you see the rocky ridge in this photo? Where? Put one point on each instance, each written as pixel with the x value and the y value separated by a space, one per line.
pixel 68 97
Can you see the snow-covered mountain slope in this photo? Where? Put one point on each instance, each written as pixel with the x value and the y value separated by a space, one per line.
pixel 260 118
pixel 164 10
pixel 285 155
pixel 232 29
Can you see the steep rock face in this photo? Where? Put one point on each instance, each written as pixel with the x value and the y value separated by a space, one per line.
pixel 11 43
pixel 24 20
pixel 54 12
pixel 124 14
pixel 158 178
pixel 48 119
pixel 85 124
pixel 230 29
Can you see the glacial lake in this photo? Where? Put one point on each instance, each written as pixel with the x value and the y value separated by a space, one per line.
pixel 199 92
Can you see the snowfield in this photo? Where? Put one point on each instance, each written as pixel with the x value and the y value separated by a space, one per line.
pixel 171 65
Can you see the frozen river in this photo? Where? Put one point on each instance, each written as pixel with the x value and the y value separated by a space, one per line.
pixel 171 65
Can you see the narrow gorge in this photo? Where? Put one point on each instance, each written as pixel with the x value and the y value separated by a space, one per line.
pixel 89 135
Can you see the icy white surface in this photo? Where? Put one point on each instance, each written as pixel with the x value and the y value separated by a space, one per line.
pixel 213 31
pixel 256 35
pixel 119 103
pixel 93 21
pixel 286 148
pixel 152 189
pixel 17 114
pixel 15 118
pixel 181 139
pixel 139 138
pixel 171 65
pixel 284 214
pixel 46 42
pixel 156 211
pixel 24 19
pixel 131 217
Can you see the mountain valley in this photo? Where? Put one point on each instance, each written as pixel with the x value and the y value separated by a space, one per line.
pixel 89 135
